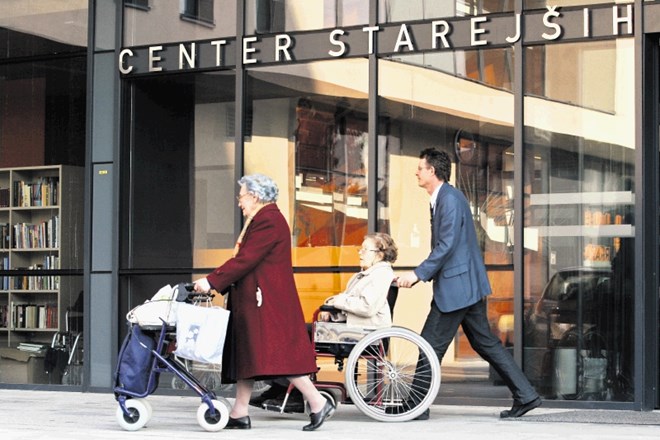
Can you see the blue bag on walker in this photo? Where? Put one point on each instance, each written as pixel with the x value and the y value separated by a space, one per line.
pixel 134 364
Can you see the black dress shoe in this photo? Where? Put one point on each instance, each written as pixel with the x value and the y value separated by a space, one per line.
pixel 239 423
pixel 318 418
pixel 519 409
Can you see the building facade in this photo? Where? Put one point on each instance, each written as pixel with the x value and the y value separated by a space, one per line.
pixel 140 116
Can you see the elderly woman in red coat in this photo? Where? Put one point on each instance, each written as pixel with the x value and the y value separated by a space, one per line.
pixel 267 335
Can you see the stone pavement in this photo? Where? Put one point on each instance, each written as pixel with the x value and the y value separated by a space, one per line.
pixel 55 415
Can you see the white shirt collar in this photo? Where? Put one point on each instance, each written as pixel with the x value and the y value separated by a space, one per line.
pixel 434 196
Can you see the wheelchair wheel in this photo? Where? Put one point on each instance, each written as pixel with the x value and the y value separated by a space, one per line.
pixel 392 375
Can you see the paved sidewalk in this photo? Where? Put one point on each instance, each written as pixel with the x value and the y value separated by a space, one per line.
pixel 54 415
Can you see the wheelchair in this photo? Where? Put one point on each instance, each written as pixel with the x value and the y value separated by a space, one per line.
pixel 390 374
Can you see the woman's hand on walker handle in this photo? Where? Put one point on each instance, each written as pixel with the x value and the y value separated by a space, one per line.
pixel 408 279
pixel 202 285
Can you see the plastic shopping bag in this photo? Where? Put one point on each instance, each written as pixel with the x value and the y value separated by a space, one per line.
pixel 161 307
pixel 200 333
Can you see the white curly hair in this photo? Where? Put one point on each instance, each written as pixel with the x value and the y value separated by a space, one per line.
pixel 261 186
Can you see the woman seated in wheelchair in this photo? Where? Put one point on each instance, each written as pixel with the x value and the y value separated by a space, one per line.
pixel 364 302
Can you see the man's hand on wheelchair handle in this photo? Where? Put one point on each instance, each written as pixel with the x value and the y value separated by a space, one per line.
pixel 408 279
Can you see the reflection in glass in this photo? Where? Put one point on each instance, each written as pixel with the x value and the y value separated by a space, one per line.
pixel 542 4
pixel 421 108
pixel 493 67
pixel 579 228
pixel 271 16
pixel 308 130
pixel 392 11
pixel 49 28
pixel 167 21
pixel 579 74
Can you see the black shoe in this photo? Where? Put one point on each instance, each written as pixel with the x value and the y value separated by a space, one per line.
pixel 424 416
pixel 519 409
pixel 318 418
pixel 239 423
pixel 275 391
pixel 295 404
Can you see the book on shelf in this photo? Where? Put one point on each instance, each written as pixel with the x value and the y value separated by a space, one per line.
pixel 43 192
pixel 34 316
pixel 4 315
pixel 5 236
pixel 4 197
pixel 36 236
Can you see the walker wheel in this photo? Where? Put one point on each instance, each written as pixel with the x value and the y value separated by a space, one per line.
pixel 139 413
pixel 216 420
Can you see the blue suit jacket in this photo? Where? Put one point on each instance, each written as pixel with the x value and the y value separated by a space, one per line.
pixel 455 263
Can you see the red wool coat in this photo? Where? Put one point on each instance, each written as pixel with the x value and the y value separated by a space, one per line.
pixel 270 340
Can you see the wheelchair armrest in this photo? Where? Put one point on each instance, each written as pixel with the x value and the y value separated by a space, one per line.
pixel 329 308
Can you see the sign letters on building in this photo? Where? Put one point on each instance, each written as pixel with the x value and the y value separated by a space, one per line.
pixel 456 33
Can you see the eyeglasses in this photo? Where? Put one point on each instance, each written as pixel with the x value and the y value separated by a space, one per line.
pixel 240 196
pixel 368 250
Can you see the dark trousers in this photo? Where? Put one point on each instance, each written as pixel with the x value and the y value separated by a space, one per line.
pixel 440 328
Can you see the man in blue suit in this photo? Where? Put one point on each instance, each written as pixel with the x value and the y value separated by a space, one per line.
pixel 460 282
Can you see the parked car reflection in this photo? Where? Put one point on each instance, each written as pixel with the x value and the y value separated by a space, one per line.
pixel 572 336
pixel 571 298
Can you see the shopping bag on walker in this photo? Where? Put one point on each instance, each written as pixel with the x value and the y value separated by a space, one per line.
pixel 161 307
pixel 200 333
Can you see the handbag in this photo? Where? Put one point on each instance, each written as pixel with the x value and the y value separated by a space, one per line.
pixel 200 333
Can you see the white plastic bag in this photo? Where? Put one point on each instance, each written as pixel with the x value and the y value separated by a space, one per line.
pixel 162 305
pixel 200 333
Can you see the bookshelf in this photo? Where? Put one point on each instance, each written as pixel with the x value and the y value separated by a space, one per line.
pixel 41 215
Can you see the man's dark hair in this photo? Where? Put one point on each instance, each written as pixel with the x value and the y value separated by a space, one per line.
pixel 440 162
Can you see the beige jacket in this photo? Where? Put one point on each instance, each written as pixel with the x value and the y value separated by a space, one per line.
pixel 364 302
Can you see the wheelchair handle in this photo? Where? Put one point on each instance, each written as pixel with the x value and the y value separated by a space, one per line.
pixel 329 308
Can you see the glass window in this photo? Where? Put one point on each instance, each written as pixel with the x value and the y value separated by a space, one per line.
pixel 421 108
pixel 271 16
pixel 144 4
pixel 198 10
pixel 579 225
pixel 179 200
pixel 493 67
pixel 579 74
pixel 542 4
pixel 167 21
pixel 42 155
pixel 51 28
pixel 182 146
pixel 392 11
pixel 307 128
